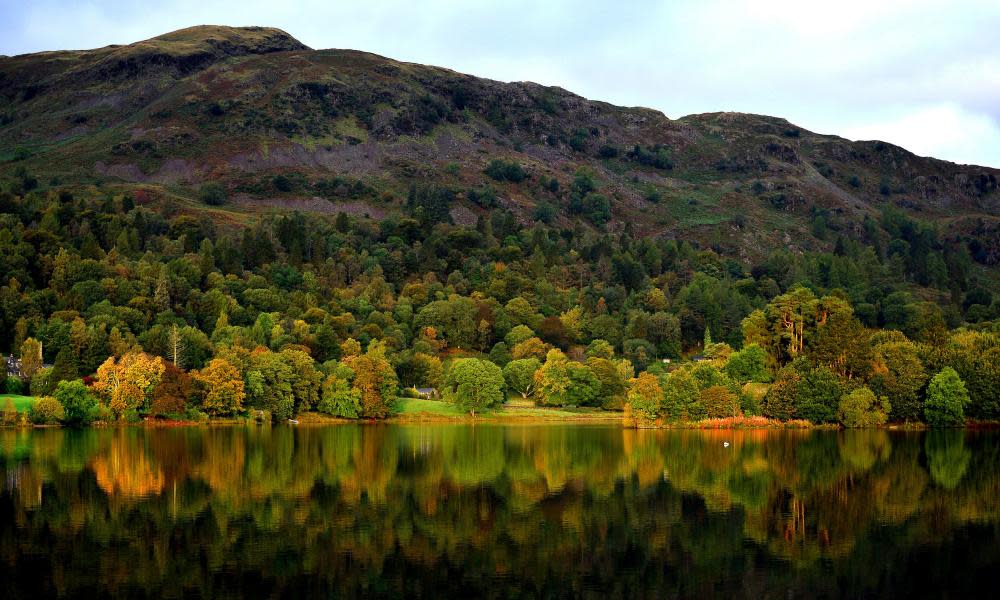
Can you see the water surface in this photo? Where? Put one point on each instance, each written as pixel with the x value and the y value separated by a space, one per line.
pixel 497 510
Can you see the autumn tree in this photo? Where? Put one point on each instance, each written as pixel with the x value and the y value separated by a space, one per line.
pixel 126 384
pixel 719 402
pixel 222 388
pixel 645 397
pixel 171 393
pixel 31 358
pixel 375 378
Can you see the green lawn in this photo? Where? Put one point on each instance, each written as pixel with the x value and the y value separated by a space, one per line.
pixel 21 403
pixel 414 406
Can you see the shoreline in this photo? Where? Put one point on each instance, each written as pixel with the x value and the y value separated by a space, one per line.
pixel 529 416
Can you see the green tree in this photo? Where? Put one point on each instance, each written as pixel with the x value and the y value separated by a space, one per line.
pixel 338 397
pixel 681 397
pixel 212 193
pixel 898 374
pixel 306 382
pixel 520 375
pixel 781 398
pixel 946 399
pixel 748 365
pixel 80 406
pixel 817 395
pixel 861 408
pixel 474 384
pixel 65 367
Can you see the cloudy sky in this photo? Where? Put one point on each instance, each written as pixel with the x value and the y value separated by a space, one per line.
pixel 924 74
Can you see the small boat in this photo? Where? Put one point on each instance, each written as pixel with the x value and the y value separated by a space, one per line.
pixel 293 421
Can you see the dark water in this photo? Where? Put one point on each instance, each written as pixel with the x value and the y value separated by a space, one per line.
pixel 504 511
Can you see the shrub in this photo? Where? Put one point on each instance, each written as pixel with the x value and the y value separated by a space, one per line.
pixel 8 415
pixel 282 183
pixel 946 399
pixel 212 194
pixel 46 411
pixel 861 408
pixel 14 385
pixel 502 170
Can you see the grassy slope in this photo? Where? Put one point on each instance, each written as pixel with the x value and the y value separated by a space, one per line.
pixel 21 403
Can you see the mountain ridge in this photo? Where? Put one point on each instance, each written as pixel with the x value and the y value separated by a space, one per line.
pixel 245 106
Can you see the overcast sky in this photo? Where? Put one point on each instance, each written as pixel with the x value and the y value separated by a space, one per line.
pixel 924 74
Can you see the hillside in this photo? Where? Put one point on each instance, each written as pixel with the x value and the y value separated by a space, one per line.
pixel 282 126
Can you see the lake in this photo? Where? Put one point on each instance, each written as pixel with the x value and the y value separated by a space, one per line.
pixel 497 510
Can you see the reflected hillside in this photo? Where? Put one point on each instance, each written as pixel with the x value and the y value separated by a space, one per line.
pixel 388 509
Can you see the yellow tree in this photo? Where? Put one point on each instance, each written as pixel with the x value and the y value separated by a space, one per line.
pixel 126 384
pixel 223 387
pixel 31 357
pixel 645 397
pixel 375 378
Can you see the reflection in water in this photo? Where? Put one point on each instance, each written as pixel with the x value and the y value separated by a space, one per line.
pixel 385 510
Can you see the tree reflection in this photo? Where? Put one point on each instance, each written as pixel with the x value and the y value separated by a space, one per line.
pixel 390 510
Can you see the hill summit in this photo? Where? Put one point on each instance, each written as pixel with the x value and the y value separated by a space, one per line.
pixel 276 125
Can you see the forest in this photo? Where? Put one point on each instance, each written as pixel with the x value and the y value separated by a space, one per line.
pixel 123 305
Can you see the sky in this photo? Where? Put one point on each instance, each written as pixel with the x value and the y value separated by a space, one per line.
pixel 923 74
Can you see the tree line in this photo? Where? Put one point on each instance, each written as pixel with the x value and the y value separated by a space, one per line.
pixel 152 309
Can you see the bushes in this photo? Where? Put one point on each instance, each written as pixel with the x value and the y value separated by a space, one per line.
pixel 46 411
pixel 861 408
pixel 8 414
pixel 212 194
pixel 501 170
pixel 14 385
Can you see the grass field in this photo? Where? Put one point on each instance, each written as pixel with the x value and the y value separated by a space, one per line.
pixel 417 408
pixel 21 403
